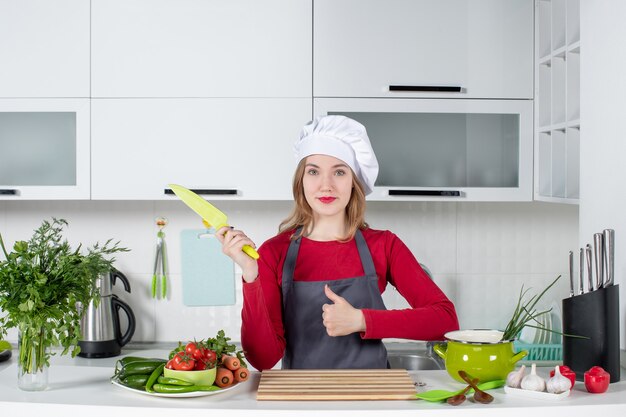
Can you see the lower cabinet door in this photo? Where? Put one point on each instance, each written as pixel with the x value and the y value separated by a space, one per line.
pixel 229 149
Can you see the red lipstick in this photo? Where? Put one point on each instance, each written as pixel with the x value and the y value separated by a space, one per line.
pixel 327 200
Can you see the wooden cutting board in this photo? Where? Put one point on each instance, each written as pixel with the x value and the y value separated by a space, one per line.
pixel 337 385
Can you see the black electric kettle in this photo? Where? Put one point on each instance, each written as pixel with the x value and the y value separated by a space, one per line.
pixel 100 325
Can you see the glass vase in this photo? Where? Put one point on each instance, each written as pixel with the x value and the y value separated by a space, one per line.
pixel 32 363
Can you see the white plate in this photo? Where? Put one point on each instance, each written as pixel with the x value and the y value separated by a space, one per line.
pixel 549 334
pixel 524 393
pixel 542 333
pixel 556 323
pixel 181 395
pixel 539 323
pixel 528 335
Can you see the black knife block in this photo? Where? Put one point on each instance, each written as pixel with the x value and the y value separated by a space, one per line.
pixel 596 316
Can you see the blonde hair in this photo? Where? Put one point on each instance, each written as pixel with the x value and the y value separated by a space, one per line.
pixel 302 213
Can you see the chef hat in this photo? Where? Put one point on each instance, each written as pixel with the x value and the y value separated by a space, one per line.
pixel 343 138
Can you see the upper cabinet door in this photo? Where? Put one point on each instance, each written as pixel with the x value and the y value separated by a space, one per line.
pixel 482 47
pixel 231 148
pixel 201 48
pixel 44 48
pixel 44 149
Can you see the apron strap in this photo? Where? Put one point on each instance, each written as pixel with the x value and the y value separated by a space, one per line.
pixel 290 262
pixel 365 254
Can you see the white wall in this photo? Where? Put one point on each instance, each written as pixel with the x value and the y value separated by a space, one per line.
pixel 602 137
pixel 479 253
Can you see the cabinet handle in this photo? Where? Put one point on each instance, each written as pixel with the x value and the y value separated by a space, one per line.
pixel 8 192
pixel 426 88
pixel 207 191
pixel 437 193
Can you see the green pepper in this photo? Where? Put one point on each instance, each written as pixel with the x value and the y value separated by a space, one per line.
pixel 135 381
pixel 180 389
pixel 173 381
pixel 139 368
pixel 154 376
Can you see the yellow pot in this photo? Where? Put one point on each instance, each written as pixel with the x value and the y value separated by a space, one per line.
pixel 480 353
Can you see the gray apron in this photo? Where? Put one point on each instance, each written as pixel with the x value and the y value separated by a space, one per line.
pixel 308 344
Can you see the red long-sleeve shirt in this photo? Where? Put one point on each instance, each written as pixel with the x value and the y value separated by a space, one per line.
pixel 262 334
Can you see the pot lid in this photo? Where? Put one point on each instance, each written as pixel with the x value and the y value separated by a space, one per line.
pixel 476 336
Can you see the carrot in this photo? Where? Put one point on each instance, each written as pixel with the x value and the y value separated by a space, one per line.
pixel 241 374
pixel 224 377
pixel 230 362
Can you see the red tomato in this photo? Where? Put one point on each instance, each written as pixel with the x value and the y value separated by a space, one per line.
pixel 597 380
pixel 209 356
pixel 170 364
pixel 191 348
pixel 183 362
pixel 207 359
pixel 567 373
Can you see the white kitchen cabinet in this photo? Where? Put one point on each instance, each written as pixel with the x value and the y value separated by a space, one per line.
pixel 44 149
pixel 44 48
pixel 222 146
pixel 445 149
pixel 364 47
pixel 201 48
pixel 557 101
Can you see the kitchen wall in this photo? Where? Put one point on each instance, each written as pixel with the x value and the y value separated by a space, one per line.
pixel 479 253
pixel 602 145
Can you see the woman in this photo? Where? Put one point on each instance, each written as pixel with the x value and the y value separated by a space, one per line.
pixel 313 298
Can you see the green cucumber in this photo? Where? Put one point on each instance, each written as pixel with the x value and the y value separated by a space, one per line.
pixel 139 368
pixel 135 381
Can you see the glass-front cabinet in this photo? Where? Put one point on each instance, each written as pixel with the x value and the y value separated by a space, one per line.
pixel 447 149
pixel 44 149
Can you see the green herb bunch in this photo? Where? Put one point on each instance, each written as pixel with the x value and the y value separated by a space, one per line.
pixel 526 314
pixel 41 282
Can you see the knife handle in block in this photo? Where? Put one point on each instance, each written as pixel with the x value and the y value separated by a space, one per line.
pixel 598 248
pixel 609 256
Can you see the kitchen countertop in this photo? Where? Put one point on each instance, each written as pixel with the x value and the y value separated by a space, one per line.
pixel 79 385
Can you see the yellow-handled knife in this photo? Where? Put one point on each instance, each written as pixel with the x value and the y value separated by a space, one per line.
pixel 209 213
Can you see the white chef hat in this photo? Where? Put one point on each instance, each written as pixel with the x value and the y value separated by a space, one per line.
pixel 343 138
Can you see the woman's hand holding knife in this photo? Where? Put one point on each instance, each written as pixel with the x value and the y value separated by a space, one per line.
pixel 233 242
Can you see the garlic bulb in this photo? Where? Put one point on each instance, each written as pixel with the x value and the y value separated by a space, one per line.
pixel 533 382
pixel 558 383
pixel 514 378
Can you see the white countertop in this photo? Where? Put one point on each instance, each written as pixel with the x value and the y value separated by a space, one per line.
pixel 79 385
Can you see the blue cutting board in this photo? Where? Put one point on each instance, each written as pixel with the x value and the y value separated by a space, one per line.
pixel 208 275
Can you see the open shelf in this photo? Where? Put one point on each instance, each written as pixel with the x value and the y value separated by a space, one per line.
pixel 557 101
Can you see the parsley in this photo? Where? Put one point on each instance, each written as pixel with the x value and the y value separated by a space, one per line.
pixel 41 282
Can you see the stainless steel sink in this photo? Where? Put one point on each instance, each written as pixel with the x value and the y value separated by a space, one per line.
pixel 413 362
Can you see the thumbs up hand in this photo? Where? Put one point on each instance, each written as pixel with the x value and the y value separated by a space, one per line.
pixel 340 318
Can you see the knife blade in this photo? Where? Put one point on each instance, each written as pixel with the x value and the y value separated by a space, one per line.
pixel 598 251
pixel 609 255
pixel 208 212
pixel 581 273
pixel 589 268
pixel 571 273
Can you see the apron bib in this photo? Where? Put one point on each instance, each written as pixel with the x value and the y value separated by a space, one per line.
pixel 308 344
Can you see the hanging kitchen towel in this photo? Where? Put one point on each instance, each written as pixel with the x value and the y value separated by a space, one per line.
pixel 208 274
